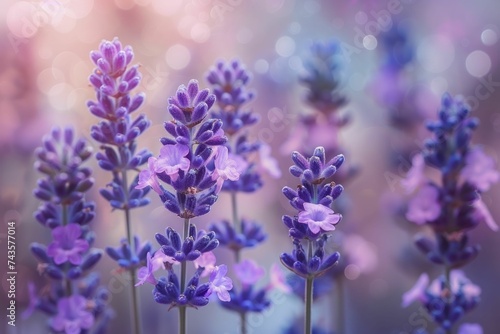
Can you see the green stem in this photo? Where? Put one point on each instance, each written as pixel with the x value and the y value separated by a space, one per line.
pixel 182 320
pixel 243 317
pixel 136 320
pixel 308 306
pixel 182 309
pixel 236 222
pixel 340 304
pixel 308 294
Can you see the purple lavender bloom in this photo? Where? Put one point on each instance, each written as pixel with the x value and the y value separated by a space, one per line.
pixel 318 217
pixel 67 245
pixel 314 219
pixel 146 274
pixel 113 83
pixel 323 78
pixel 470 329
pixel 451 207
pixel 172 160
pixel 446 305
pixel 251 234
pixel 207 261
pixel 220 283
pixel 73 316
pixel 130 257
pixel 148 177
pixel 67 260
pixel 248 272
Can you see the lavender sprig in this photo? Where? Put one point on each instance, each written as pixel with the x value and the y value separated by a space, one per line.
pixel 113 82
pixel 74 300
pixel 310 228
pixel 193 165
pixel 230 81
pixel 451 206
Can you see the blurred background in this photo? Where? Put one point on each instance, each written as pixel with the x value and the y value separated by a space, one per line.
pixel 445 46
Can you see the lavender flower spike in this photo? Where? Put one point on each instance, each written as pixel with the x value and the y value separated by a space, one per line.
pixel 451 206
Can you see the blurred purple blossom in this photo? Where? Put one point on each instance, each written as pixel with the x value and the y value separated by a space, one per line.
pixel 424 206
pixel 248 271
pixel 67 245
pixel 220 283
pixel 72 315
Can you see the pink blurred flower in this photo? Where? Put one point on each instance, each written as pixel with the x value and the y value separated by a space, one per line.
pixel 484 214
pixel 172 159
pixel 415 177
pixel 360 253
pixel 148 178
pixel 248 271
pixel 220 284
pixel 146 274
pixel 424 206
pixel 318 217
pixel 206 260
pixel 417 292
pixel 479 169
pixel 278 280
pixel 268 162
pixel 72 316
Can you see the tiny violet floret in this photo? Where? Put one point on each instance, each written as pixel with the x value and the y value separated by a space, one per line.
pixel 72 316
pixel 424 207
pixel 146 274
pixel 225 168
pixel 415 177
pixel 66 245
pixel 220 283
pixel 148 178
pixel 318 217
pixel 172 160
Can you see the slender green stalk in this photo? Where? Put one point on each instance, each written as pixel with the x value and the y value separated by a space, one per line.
pixel 308 294
pixel 182 309
pixel 308 305
pixel 136 320
pixel 243 317
pixel 339 282
pixel 236 222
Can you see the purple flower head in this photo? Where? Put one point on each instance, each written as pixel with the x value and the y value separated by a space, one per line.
pixel 207 262
pixel 248 272
pixel 229 83
pixel 479 170
pixel 315 169
pixel 425 206
pixel 60 159
pixel 319 217
pixel 322 77
pixel 220 283
pixel 190 105
pixel 251 234
pixel 148 178
pixel 130 256
pixel 445 305
pixel 72 315
pixel 67 245
pixel 172 160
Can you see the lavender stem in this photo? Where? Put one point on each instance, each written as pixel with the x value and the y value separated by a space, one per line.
pixel 182 309
pixel 308 294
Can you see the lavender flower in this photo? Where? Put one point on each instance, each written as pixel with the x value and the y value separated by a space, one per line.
pixel 230 84
pixel 451 207
pixel 445 302
pixel 74 300
pixel 188 175
pixel 72 315
pixel 314 220
pixel 113 81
